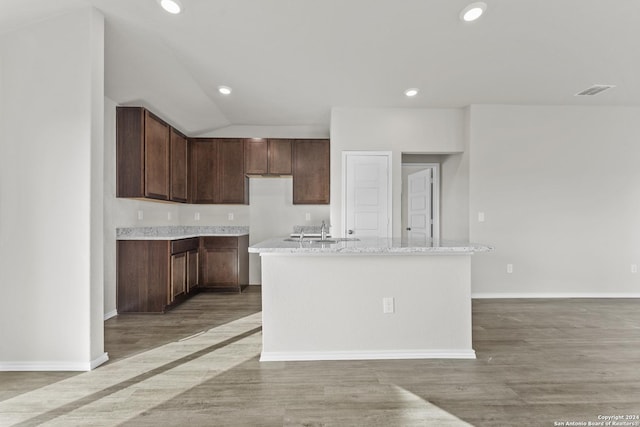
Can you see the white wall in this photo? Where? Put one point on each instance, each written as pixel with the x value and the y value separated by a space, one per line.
pixel 433 131
pixel 559 187
pixel 273 214
pixel 51 83
pixel 257 131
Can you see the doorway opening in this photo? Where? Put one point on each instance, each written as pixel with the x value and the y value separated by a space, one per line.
pixel 420 201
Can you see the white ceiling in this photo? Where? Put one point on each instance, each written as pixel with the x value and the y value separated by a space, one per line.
pixel 290 61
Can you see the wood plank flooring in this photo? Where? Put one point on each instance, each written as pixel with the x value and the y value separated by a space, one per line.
pixel 540 362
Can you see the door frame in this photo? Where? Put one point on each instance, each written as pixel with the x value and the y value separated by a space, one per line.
pixel 435 196
pixel 389 156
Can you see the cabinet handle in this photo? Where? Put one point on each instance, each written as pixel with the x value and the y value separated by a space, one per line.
pixel 349 231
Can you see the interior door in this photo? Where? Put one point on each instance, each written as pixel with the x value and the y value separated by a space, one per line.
pixel 367 187
pixel 419 209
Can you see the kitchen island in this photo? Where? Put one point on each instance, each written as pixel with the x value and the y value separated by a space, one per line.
pixel 366 299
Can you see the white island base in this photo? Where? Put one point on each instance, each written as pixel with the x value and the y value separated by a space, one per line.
pixel 329 306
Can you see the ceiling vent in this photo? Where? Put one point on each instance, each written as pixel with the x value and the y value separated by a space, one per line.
pixel 594 90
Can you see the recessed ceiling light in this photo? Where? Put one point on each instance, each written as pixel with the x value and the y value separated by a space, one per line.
pixel 224 90
pixel 473 11
pixel 411 92
pixel 171 6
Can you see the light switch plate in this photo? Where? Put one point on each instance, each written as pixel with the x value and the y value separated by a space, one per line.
pixel 230 216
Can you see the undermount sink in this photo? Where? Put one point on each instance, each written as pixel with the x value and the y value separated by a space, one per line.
pixel 318 240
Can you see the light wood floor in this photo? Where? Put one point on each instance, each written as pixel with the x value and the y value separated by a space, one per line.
pixel 539 362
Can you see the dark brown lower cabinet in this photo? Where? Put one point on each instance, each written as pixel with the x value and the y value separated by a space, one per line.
pixel 225 263
pixel 193 269
pixel 178 275
pixel 152 275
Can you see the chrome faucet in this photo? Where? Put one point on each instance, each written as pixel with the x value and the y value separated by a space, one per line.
pixel 323 231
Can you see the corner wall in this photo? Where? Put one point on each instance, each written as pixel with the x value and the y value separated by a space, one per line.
pixel 559 187
pixel 51 81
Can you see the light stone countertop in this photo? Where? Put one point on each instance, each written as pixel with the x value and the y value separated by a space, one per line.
pixel 368 246
pixel 179 232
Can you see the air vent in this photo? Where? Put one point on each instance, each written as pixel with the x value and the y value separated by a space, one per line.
pixel 594 90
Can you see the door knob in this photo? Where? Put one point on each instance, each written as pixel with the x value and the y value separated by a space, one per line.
pixel 408 228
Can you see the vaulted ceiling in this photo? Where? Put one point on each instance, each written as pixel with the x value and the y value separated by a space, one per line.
pixel 290 61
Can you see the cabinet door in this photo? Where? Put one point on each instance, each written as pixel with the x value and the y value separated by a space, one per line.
pixel 203 170
pixel 192 270
pixel 178 275
pixel 255 156
pixel 178 167
pixel 156 152
pixel 129 152
pixel 220 267
pixel 311 164
pixel 143 276
pixel 232 182
pixel 280 156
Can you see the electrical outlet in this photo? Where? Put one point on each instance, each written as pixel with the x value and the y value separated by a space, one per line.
pixel 169 216
pixel 307 216
pixel 634 268
pixel 230 216
pixel 480 216
pixel 196 216
pixel 388 305
pixel 509 268
pixel 140 215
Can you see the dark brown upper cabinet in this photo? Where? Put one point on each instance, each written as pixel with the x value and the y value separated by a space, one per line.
pixel 203 166
pixel 268 156
pixel 233 185
pixel 179 161
pixel 256 160
pixel 311 165
pixel 217 171
pixel 280 156
pixel 155 161
pixel 143 154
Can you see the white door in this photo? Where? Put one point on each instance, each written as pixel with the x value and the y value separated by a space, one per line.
pixel 419 213
pixel 367 191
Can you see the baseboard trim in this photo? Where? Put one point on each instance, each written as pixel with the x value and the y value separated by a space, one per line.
pixel 109 315
pixel 53 366
pixel 103 358
pixel 511 295
pixel 276 356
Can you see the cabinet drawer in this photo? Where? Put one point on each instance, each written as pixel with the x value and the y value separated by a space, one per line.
pixel 184 245
pixel 220 242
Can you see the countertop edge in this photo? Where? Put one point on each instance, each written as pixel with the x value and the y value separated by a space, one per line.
pixel 179 232
pixel 367 247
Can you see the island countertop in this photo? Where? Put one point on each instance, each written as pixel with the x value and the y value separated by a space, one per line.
pixel 366 246
pixel 179 232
